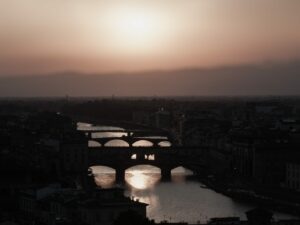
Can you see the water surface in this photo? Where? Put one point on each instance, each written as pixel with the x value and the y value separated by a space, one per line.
pixel 181 199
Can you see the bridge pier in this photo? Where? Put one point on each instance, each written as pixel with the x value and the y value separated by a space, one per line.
pixel 155 143
pixel 166 174
pixel 120 175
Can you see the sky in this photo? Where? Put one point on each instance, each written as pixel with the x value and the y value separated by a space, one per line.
pixel 98 36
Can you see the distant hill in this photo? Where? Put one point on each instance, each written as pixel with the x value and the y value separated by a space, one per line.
pixel 265 79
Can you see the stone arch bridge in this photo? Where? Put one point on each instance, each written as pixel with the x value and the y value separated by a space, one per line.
pixel 167 158
pixel 130 137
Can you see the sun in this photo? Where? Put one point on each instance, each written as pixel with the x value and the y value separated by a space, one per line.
pixel 134 29
pixel 135 25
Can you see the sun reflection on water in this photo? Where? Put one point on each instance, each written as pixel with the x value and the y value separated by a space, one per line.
pixel 141 177
pixel 105 180
pixel 141 181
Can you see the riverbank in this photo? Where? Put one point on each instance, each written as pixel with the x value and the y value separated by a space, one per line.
pixel 252 196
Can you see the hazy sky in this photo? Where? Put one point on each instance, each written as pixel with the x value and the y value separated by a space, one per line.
pixel 43 36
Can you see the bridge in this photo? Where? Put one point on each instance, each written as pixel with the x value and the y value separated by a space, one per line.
pixel 168 158
pixel 122 158
pixel 131 137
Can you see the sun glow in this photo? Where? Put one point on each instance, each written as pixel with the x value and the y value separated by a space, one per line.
pixel 134 29
pixel 141 181
pixel 135 25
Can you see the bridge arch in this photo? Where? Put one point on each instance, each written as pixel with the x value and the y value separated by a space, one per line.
pixel 97 169
pixel 148 168
pixel 104 176
pixel 116 143
pixel 182 169
pixel 93 143
pixel 143 143
pixel 164 143
pixel 142 176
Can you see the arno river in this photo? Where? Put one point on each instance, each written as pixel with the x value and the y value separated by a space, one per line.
pixel 181 199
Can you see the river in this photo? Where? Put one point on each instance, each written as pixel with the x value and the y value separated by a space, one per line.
pixel 181 199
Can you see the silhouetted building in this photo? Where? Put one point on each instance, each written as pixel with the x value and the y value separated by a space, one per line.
pixel 52 204
pixel 259 216
pixel 293 175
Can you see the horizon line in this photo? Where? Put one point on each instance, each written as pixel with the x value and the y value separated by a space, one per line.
pixel 154 70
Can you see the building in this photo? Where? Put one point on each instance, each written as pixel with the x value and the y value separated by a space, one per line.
pixel 293 176
pixel 53 204
pixel 261 156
